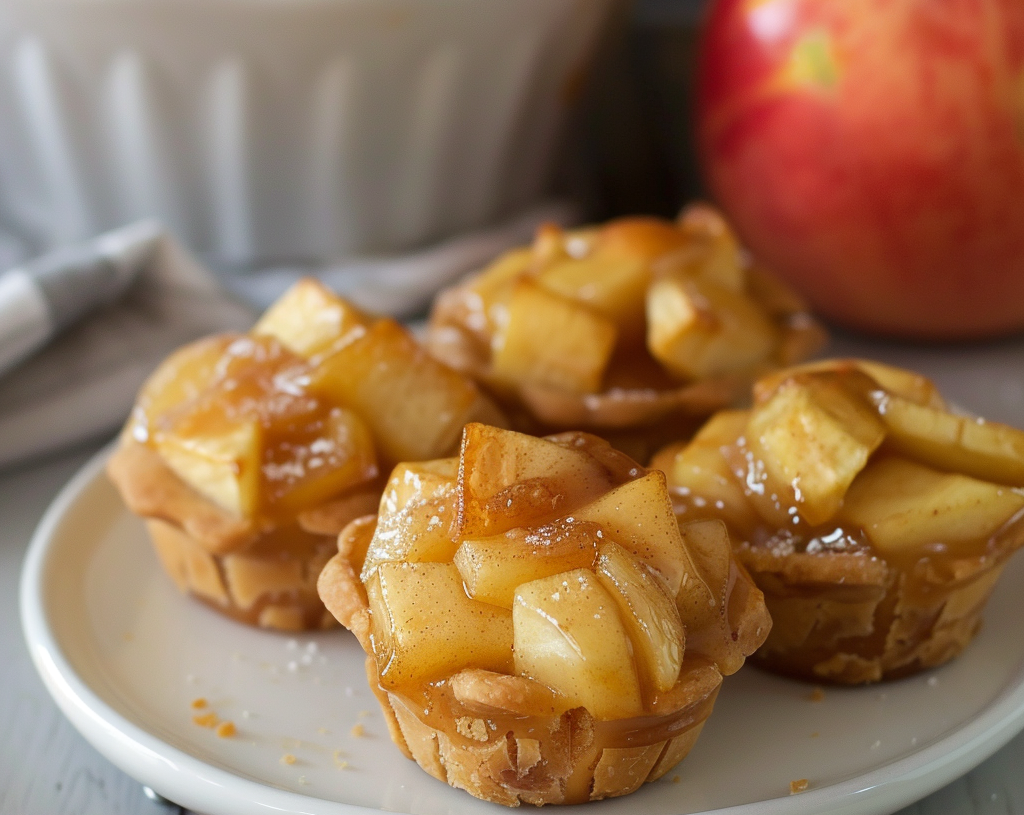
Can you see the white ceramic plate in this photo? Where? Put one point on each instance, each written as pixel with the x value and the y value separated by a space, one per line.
pixel 124 655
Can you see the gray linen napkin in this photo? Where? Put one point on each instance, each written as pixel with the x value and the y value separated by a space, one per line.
pixel 109 311
pixel 107 328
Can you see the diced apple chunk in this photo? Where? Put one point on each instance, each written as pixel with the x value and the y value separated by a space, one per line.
pixel 419 480
pixel 638 516
pixel 698 329
pixel 424 627
pixel 250 466
pixel 906 384
pixel 420 532
pixel 309 319
pixel 568 636
pixel 414 405
pixel 704 597
pixel 812 438
pixel 221 463
pixel 548 245
pixel 176 383
pixel 491 290
pixel 650 617
pixel 906 508
pixel 318 459
pixel 987 450
pixel 725 427
pixel 722 259
pixel 552 341
pixel 643 237
pixel 492 568
pixel 510 479
pixel 612 286
pixel 506 269
pixel 703 483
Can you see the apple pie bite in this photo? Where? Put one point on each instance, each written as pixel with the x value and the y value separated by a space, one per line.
pixel 538 628
pixel 248 453
pixel 875 519
pixel 631 330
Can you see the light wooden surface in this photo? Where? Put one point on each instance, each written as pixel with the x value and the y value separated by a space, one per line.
pixel 46 768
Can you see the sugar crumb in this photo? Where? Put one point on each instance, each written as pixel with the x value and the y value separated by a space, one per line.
pixel 205 719
pixel 798 786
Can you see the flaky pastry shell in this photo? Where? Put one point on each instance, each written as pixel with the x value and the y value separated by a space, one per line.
pixel 506 737
pixel 255 572
pixel 894 579
pixel 481 733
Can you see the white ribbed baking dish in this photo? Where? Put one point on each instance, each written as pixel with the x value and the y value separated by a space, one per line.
pixel 268 130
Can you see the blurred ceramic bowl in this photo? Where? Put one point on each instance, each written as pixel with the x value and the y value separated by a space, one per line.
pixel 270 130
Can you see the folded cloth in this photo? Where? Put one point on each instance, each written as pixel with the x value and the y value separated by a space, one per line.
pixel 83 383
pixel 110 311
pixel 403 285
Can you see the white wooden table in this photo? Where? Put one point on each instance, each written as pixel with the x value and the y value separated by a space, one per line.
pixel 46 768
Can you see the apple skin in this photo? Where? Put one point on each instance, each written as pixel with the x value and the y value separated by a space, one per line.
pixel 871 152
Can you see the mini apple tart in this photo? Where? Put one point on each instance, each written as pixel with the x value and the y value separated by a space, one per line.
pixel 630 330
pixel 875 520
pixel 537 627
pixel 248 453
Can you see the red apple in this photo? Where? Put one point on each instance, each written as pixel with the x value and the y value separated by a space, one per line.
pixel 872 153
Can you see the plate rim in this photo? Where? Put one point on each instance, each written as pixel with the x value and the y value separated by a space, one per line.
pixel 173 772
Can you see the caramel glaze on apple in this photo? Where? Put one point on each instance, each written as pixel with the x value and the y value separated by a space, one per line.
pixel 245 551
pixel 504 723
pixel 846 608
pixel 676 716
pixel 634 330
pixel 309 449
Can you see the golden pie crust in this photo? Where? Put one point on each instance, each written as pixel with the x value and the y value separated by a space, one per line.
pixel 843 609
pixel 255 572
pixel 509 739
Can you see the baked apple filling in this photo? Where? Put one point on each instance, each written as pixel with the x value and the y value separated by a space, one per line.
pixel 631 329
pixel 248 453
pixel 538 627
pixel 875 519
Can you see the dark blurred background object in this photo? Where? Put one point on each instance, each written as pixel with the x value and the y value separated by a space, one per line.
pixel 636 146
